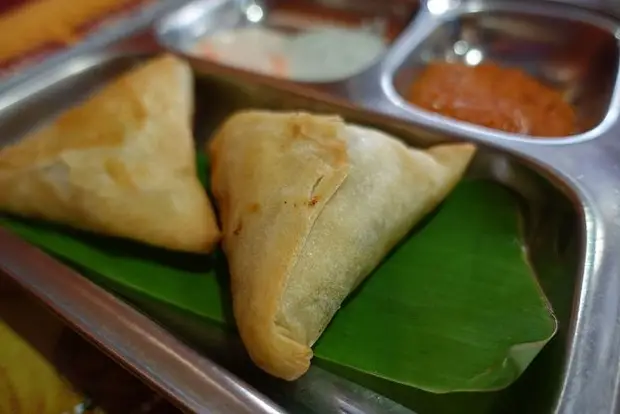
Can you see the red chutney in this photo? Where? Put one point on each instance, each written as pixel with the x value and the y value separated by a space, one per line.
pixel 494 97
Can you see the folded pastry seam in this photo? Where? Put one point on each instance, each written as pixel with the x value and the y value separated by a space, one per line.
pixel 309 207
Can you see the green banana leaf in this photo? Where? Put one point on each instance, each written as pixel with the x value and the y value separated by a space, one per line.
pixel 455 307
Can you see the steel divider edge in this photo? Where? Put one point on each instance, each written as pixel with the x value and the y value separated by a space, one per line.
pixel 132 339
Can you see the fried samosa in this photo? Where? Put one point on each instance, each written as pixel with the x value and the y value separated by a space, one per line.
pixel 309 207
pixel 120 164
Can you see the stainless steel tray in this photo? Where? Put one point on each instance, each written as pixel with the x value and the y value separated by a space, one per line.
pixel 572 186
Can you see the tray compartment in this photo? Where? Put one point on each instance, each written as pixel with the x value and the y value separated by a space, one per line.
pixel 550 241
pixel 69 84
pixel 573 51
pixel 183 30
pixel 553 239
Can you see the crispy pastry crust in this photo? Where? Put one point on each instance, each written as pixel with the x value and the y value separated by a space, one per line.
pixel 121 164
pixel 309 206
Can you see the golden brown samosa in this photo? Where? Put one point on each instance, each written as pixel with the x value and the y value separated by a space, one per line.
pixel 309 206
pixel 122 164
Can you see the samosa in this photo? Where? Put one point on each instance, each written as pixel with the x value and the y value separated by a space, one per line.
pixel 121 164
pixel 309 207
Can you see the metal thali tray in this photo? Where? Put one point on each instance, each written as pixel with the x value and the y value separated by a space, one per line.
pixel 571 185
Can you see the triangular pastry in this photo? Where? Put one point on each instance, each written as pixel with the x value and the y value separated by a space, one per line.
pixel 121 164
pixel 309 207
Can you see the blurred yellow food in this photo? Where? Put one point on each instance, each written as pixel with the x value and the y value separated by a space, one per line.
pixel 29 384
pixel 41 22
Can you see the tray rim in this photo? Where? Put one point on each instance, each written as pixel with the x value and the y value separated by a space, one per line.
pixel 587 191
